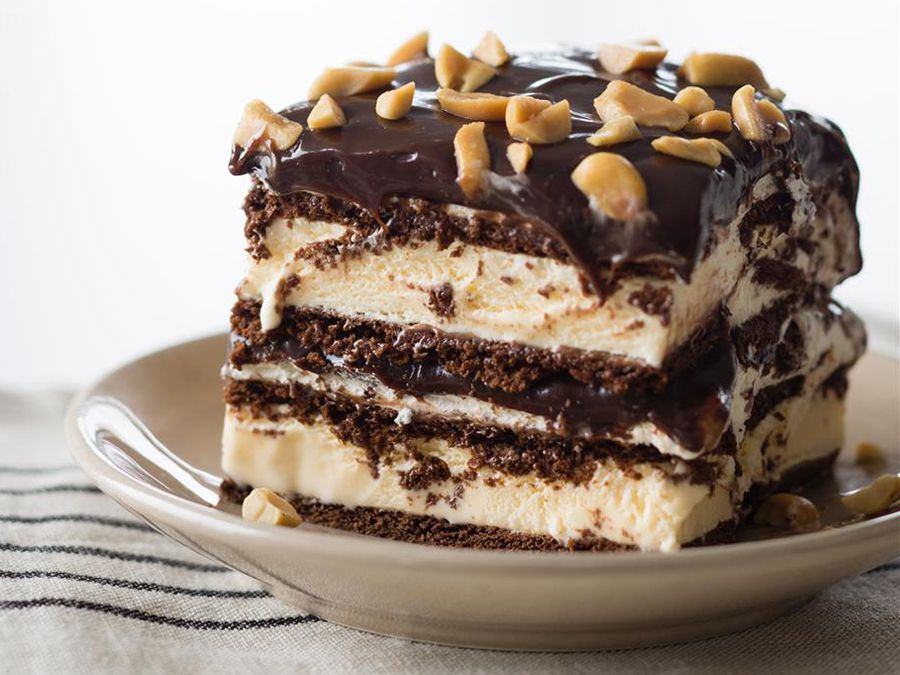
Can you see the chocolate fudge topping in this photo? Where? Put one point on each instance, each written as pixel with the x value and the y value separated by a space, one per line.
pixel 371 158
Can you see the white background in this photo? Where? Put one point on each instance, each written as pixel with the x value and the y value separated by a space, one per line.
pixel 121 228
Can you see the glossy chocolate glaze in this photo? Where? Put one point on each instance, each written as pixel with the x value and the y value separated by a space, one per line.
pixel 371 158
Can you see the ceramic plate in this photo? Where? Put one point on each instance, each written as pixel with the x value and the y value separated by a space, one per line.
pixel 148 435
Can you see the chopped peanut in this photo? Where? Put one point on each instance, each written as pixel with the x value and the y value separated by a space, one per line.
pixel 787 511
pixel 454 70
pixel 394 104
pixel 773 115
pixel 473 106
pixel 414 48
pixel 695 100
pixel 473 158
pixel 720 70
pixel 537 121
pixel 704 150
pixel 519 154
pixel 612 185
pixel 264 506
pixel 875 497
pixel 491 51
pixel 621 98
pixel 326 114
pixel 617 130
pixel 712 121
pixel 259 122
pixel 621 58
pixel 349 80
pixel 747 116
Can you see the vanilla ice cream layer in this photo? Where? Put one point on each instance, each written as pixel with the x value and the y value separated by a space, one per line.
pixel 645 506
pixel 503 296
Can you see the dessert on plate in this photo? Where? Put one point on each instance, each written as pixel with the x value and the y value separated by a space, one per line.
pixel 570 299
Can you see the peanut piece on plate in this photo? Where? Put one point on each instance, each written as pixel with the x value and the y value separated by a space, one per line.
pixel 349 80
pixel 617 130
pixel 326 114
pixel 721 70
pixel 612 185
pixel 264 506
pixel 621 58
pixel 519 154
pixel 695 100
pixel 473 106
pixel 875 497
pixel 395 104
pixel 259 122
pixel 473 158
pixel 537 121
pixel 710 122
pixel 703 150
pixel 490 50
pixel 869 453
pixel 787 511
pixel 455 70
pixel 414 48
pixel 621 99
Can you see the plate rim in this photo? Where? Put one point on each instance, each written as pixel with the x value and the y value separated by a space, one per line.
pixel 125 488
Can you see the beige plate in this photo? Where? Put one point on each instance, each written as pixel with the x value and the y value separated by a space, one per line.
pixel 506 600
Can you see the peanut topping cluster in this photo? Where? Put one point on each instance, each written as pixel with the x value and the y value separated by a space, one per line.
pixel 611 183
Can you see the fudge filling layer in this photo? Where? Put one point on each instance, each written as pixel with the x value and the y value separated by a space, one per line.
pixel 549 302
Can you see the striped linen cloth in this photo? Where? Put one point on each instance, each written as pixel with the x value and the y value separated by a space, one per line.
pixel 85 587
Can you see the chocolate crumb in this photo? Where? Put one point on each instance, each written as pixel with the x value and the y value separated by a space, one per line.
pixel 440 300
pixel 653 300
pixel 427 470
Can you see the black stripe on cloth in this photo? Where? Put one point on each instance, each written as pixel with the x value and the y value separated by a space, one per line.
pixel 113 555
pixel 79 518
pixel 135 585
pixel 50 488
pixel 888 567
pixel 37 469
pixel 130 613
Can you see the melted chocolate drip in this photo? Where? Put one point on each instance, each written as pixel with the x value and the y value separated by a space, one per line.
pixel 371 158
